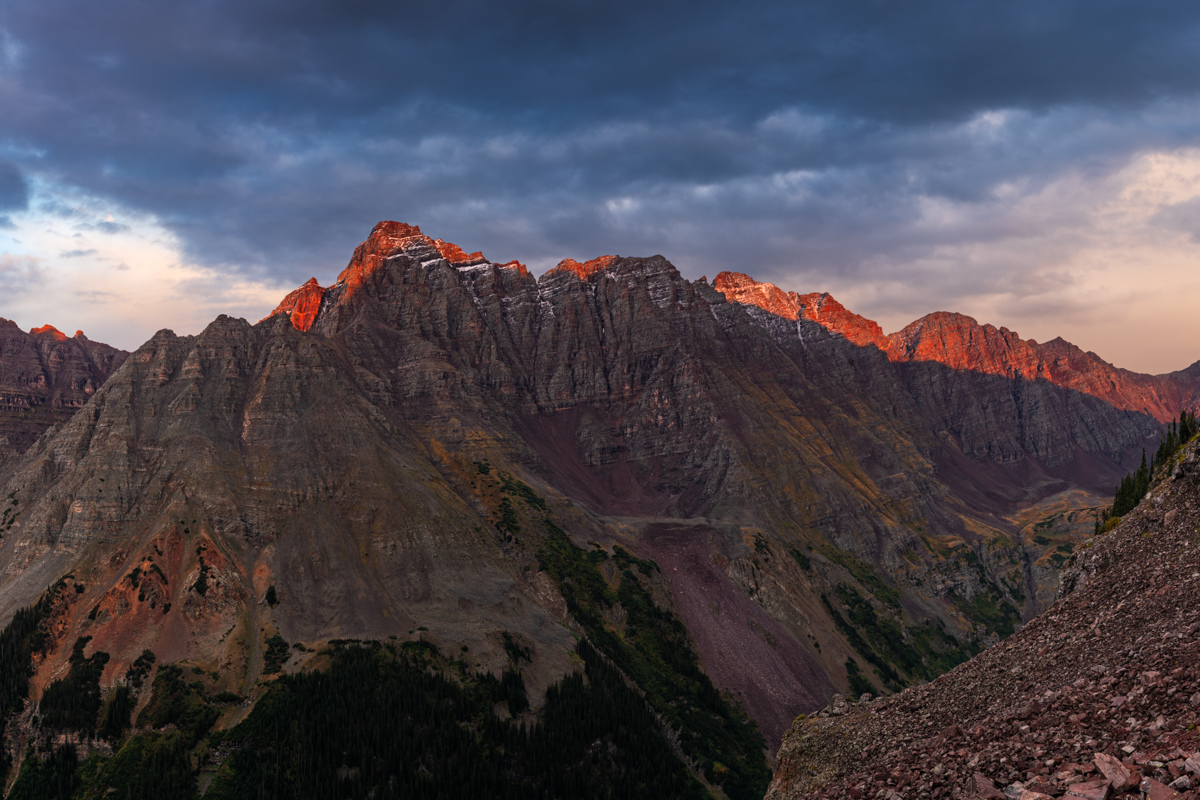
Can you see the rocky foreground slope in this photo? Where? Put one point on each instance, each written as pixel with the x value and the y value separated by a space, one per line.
pixel 1098 697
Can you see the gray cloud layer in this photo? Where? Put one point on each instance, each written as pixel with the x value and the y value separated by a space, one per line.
pixel 269 136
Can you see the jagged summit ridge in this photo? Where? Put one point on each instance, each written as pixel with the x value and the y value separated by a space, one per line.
pixel 821 307
pixel 587 269
pixel 530 311
pixel 962 343
pixel 404 276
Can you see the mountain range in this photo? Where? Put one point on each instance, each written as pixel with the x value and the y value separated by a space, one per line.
pixel 743 498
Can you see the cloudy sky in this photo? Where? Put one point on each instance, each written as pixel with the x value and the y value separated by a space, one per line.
pixel 1035 164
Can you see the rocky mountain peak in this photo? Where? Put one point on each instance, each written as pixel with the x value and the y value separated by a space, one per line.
pixel 583 271
pixel 45 376
pixel 302 305
pixel 517 265
pixel 740 288
pixel 960 342
pixel 824 309
pixel 386 239
pixel 49 330
pixel 389 233
pixel 821 308
pixel 455 254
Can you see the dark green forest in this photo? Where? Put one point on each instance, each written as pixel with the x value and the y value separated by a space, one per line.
pixel 394 720
pixel 384 719
pixel 387 720
pixel 1133 487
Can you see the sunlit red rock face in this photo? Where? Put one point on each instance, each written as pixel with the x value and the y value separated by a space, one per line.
pixel 821 308
pixel 368 256
pixel 51 331
pixel 45 376
pixel 767 296
pixel 587 269
pixel 455 255
pixel 961 343
pixel 302 305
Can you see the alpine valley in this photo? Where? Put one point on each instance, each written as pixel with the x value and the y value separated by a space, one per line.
pixel 442 529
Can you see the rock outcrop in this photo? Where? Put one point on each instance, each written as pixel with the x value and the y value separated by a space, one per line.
pixel 821 308
pixel 301 306
pixel 1098 697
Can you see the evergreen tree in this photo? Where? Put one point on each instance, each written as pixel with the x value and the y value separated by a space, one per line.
pixel 1134 486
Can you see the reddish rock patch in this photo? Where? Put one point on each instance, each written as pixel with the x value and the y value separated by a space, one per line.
pixel 51 330
pixel 455 255
pixel 585 270
pixel 302 305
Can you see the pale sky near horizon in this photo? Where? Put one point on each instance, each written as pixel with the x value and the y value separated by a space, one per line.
pixel 1033 165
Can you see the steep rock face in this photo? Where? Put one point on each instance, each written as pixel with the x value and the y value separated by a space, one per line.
pixel 637 393
pixel 302 305
pixel 341 450
pixel 831 314
pixel 45 376
pixel 1097 697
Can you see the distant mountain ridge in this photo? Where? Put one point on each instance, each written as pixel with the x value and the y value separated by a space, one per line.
pixel 959 342
pixel 45 377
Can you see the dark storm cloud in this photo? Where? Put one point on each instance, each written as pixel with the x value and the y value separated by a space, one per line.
pixel 14 194
pixel 270 136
